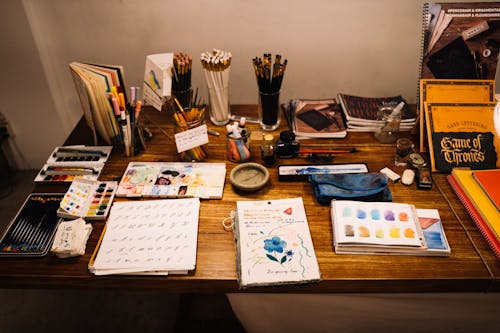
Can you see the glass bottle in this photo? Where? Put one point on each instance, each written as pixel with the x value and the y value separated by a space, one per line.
pixel 268 150
pixel 391 117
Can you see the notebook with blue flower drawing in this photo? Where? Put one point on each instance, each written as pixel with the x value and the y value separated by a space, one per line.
pixel 273 243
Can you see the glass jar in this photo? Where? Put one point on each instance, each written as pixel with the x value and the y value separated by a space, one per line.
pixel 268 150
pixel 390 118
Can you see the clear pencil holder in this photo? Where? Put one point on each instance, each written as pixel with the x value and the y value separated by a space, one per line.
pixel 219 109
pixel 269 110
pixel 238 149
pixel 184 97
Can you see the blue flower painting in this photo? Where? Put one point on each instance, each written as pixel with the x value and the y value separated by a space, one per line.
pixel 274 246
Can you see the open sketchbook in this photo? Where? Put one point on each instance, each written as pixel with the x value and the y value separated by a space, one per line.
pixel 273 243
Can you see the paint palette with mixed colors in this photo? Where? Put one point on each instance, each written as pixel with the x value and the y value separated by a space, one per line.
pixel 89 199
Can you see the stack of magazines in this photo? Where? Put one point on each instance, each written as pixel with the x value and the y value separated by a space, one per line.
pixel 310 118
pixel 363 114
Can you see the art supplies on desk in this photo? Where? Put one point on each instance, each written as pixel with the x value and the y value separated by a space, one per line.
pixel 173 180
pixel 376 228
pixel 273 243
pixel 68 162
pixel 32 230
pixel 88 199
pixel 315 118
pixel 156 237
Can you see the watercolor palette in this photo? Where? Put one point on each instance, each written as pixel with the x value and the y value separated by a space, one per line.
pixel 173 180
pixel 32 230
pixel 88 199
pixel 68 162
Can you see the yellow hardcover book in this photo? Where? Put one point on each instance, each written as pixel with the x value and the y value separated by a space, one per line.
pixel 452 91
pixel 479 199
pixel 462 135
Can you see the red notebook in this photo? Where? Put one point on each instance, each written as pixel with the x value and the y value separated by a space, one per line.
pixel 489 180
pixel 488 235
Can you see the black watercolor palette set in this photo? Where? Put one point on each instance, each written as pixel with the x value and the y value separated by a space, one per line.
pixel 88 199
pixel 68 162
pixel 32 230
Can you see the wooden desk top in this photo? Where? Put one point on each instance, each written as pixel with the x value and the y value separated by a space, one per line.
pixel 471 266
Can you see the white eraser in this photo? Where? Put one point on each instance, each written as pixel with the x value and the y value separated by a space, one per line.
pixel 394 177
pixel 408 176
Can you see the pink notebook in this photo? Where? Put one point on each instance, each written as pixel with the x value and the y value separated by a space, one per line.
pixel 489 180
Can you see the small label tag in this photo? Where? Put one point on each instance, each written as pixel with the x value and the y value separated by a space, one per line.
pixel 191 138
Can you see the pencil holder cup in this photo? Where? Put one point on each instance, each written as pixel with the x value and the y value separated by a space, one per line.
pixel 195 154
pixel 219 110
pixel 238 149
pixel 269 110
pixel 184 97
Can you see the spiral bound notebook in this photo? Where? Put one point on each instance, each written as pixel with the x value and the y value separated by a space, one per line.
pixel 459 41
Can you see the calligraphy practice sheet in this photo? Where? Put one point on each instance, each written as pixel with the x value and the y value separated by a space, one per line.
pixel 155 236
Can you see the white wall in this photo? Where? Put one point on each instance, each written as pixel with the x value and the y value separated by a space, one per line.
pixel 363 47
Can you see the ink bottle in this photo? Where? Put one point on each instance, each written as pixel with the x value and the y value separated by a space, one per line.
pixel 287 147
pixel 268 150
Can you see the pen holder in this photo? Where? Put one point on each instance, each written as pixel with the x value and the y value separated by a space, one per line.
pixel 269 107
pixel 195 154
pixel 238 149
pixel 219 110
pixel 184 97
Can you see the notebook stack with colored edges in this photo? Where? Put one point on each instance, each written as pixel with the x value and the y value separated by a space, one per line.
pixel 479 190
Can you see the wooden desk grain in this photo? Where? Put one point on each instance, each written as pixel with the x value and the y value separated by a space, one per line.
pixel 463 271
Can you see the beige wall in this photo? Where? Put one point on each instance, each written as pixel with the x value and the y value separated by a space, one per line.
pixel 365 47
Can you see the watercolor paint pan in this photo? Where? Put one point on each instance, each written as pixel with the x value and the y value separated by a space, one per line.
pixel 63 173
pixel 80 154
pixel 89 199
pixel 32 230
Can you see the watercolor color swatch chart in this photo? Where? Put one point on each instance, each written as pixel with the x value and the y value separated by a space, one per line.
pixel 375 227
pixel 156 237
pixel 273 243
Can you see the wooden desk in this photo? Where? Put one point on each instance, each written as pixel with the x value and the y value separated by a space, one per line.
pixel 463 271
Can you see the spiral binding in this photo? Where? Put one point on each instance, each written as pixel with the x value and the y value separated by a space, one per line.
pixel 423 48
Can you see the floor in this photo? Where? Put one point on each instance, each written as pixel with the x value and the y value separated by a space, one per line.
pixel 102 310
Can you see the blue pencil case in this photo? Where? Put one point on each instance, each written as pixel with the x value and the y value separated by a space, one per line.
pixel 371 186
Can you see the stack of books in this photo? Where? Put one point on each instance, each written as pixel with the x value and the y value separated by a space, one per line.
pixel 363 114
pixel 479 192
